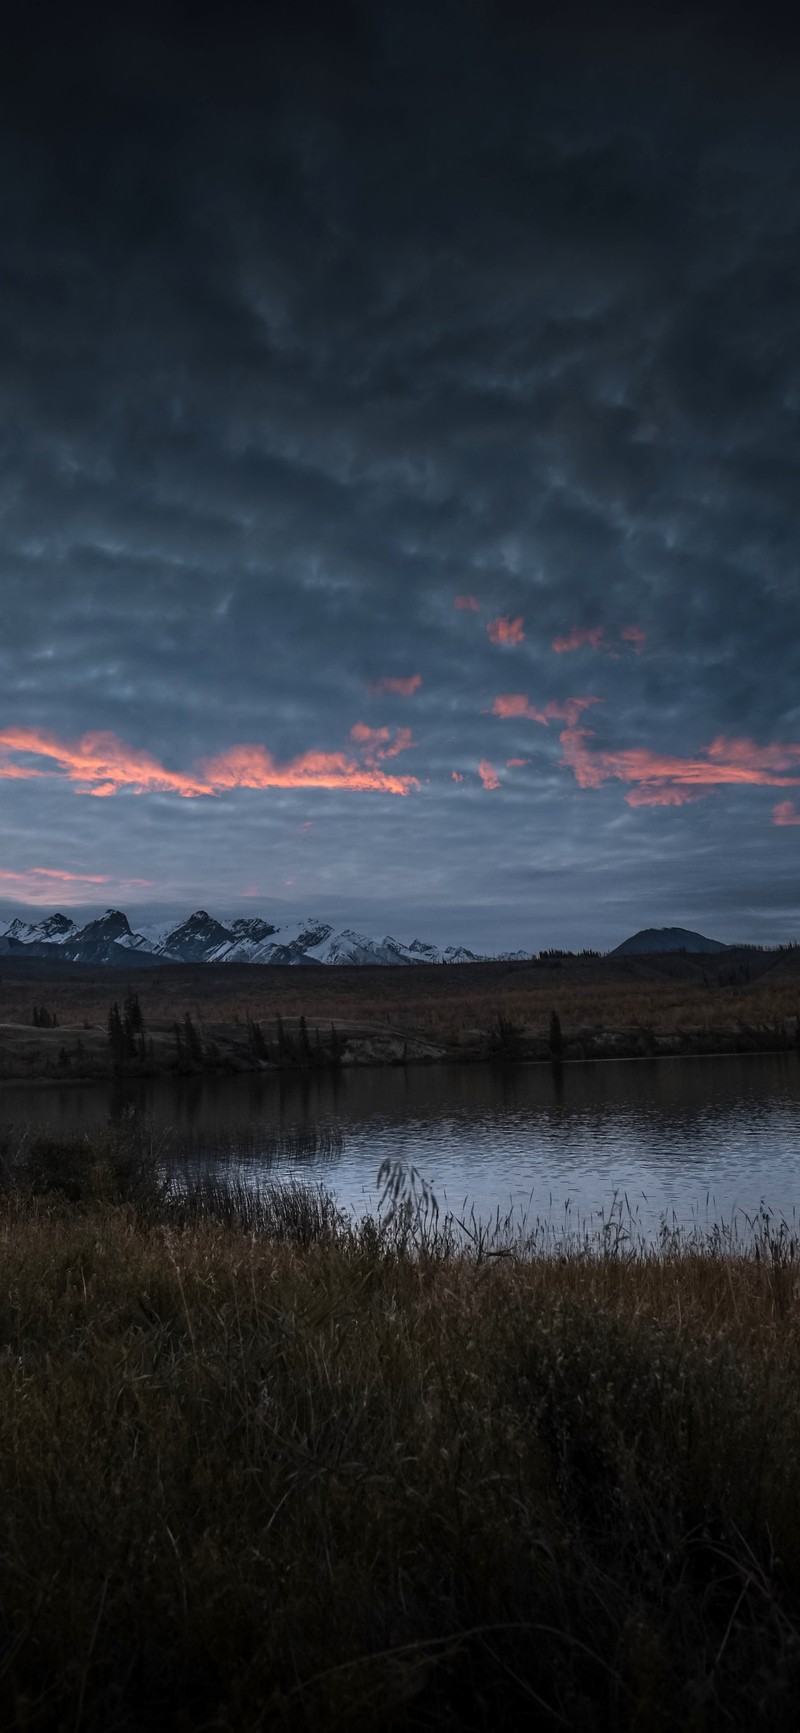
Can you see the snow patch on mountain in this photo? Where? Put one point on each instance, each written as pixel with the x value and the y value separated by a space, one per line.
pixel 201 938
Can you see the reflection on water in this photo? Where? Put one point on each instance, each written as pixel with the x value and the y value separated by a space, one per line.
pixel 697 1138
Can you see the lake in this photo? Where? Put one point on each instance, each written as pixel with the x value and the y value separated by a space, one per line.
pixel 695 1140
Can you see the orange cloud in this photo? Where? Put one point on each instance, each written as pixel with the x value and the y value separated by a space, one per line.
pixel 102 765
pixel 663 780
pixel 516 763
pixel 378 743
pixel 578 637
pixel 505 631
pixel 785 813
pixel 488 774
pixel 372 737
pixel 509 704
pixel 457 777
pixel 255 767
pixel 404 688
pixel 470 603
pixel 634 636
pixel 667 795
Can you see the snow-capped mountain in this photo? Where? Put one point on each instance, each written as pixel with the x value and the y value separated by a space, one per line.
pixel 203 939
pixel 55 930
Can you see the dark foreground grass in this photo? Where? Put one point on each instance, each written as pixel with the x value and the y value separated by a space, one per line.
pixel 265 1469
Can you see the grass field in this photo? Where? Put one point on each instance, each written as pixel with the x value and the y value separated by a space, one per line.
pixel 262 1468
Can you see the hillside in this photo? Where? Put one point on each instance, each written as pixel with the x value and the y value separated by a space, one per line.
pixel 659 940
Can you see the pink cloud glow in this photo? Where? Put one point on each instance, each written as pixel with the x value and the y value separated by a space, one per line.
pixel 505 631
pixel 456 775
pixel 469 603
pixel 516 763
pixel 255 767
pixel 98 763
pixel 578 637
pixel 510 704
pixel 37 884
pixel 663 780
pixel 785 813
pixel 62 877
pixel 634 636
pixel 377 743
pixel 101 765
pixel 488 774
pixel 404 688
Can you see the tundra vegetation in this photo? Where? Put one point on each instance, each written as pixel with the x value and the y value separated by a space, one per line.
pixel 265 1466
pixel 95 1022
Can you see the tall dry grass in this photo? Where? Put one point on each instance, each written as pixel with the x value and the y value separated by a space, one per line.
pixel 277 1470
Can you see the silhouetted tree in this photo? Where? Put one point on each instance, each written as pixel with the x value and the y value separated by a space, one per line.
pixel 555 1039
pixel 258 1046
pixel 132 1018
pixel 194 1045
pixel 117 1039
pixel 285 1049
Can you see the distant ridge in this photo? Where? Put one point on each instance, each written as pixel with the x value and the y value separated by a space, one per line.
pixel 652 940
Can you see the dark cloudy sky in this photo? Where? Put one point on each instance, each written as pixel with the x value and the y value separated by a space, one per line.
pixel 380 384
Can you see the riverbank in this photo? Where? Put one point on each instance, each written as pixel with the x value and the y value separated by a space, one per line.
pixel 261 1467
pixel 65 1054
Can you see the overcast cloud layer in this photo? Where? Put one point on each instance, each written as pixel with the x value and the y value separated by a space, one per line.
pixel 400 462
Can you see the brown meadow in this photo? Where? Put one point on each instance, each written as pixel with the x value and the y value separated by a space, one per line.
pixel 605 1005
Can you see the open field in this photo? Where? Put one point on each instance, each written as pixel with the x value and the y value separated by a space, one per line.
pixel 263 1469
pixel 606 1006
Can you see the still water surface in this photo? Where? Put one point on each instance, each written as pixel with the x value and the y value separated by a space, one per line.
pixel 696 1140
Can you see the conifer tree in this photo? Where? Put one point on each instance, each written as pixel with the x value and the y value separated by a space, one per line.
pixel 132 1019
pixel 555 1039
pixel 117 1039
pixel 194 1045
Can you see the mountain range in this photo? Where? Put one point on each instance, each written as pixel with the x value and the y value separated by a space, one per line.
pixel 203 939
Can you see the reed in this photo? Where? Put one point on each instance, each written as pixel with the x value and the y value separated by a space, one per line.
pixel 265 1466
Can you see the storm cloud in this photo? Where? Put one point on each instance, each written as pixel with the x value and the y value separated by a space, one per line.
pixel 383 385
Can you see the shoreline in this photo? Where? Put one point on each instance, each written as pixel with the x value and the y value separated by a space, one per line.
pixel 62 1078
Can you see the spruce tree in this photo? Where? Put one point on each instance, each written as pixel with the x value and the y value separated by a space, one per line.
pixel 194 1045
pixel 555 1039
pixel 117 1039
